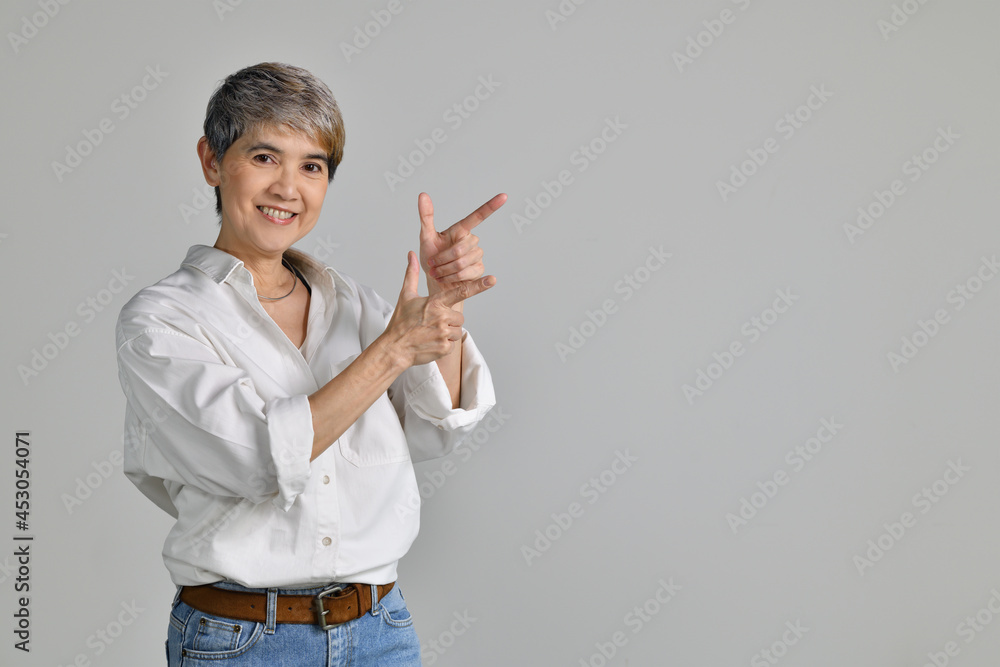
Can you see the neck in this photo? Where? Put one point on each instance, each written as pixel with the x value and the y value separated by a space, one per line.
pixel 270 276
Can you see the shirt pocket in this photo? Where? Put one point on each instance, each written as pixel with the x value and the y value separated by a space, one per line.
pixel 376 438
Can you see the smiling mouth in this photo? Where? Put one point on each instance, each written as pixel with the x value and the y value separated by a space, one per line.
pixel 276 215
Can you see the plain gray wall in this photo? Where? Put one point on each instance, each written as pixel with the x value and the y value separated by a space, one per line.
pixel 892 78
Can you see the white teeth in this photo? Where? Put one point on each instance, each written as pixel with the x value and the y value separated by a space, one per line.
pixel 280 215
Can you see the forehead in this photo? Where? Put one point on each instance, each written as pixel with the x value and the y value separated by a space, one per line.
pixel 287 139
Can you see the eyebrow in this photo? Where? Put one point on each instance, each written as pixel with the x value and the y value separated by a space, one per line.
pixel 275 149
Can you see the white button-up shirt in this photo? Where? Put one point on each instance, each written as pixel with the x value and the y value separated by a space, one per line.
pixel 218 428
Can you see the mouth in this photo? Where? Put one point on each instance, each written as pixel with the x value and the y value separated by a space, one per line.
pixel 277 216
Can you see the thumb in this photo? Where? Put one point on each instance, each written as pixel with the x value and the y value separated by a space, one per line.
pixel 425 208
pixel 411 279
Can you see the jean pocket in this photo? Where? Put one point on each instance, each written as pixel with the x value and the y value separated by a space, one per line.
pixel 392 609
pixel 207 637
pixel 389 443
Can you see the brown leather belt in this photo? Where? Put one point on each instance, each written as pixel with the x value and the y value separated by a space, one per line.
pixel 337 604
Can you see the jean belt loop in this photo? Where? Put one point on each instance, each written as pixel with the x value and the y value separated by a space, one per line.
pixel 177 596
pixel 374 591
pixel 272 607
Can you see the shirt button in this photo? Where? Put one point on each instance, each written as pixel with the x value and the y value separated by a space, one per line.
pixel 326 479
pixel 326 541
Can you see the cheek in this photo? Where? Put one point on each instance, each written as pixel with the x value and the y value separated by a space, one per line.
pixel 316 197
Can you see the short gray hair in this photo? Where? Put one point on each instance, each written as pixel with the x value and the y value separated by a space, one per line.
pixel 273 95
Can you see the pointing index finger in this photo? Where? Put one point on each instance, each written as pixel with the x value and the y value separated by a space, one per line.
pixel 469 222
pixel 466 289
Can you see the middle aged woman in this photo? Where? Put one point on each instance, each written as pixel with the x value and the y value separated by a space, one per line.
pixel 275 406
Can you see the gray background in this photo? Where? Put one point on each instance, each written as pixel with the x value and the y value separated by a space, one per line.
pixel 664 518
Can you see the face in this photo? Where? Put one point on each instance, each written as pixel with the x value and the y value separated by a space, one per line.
pixel 272 186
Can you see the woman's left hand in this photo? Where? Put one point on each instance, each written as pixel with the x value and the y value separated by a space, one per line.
pixel 453 255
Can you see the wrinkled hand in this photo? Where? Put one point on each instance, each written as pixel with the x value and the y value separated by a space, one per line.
pixel 424 329
pixel 454 255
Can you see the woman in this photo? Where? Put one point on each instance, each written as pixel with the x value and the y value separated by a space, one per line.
pixel 275 405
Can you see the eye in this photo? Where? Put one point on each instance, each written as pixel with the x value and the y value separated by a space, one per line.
pixel 317 169
pixel 265 157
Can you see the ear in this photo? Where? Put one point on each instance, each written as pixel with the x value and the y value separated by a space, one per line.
pixel 209 164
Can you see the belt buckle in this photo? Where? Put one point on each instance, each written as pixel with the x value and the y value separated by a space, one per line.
pixel 318 602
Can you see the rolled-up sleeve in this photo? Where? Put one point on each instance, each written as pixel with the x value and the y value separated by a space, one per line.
pixel 423 402
pixel 207 425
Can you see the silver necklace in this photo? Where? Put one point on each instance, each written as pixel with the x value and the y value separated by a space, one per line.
pixel 295 281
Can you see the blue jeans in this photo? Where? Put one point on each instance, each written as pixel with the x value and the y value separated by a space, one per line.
pixel 384 636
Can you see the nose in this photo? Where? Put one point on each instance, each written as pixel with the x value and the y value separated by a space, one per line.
pixel 284 183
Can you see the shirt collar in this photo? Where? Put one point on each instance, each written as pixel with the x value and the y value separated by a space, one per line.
pixel 219 265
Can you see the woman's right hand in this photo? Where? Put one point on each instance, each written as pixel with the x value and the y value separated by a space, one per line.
pixel 423 329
